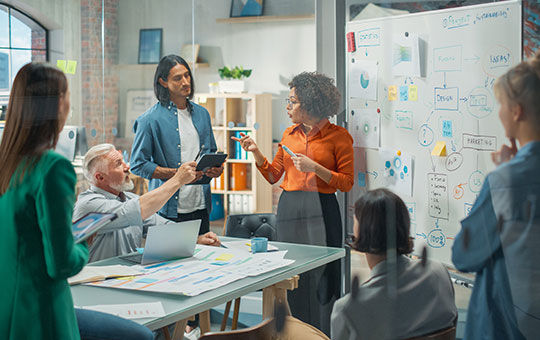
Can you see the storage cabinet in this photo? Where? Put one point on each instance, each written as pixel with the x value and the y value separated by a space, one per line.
pixel 243 188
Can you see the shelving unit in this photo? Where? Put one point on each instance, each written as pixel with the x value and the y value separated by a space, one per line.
pixel 253 112
pixel 265 18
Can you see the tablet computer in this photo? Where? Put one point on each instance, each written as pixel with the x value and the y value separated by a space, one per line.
pixel 209 160
pixel 89 224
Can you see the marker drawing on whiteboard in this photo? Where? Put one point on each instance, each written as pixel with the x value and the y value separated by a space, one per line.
pixel 287 150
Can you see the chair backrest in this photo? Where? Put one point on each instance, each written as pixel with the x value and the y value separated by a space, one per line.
pixel 444 334
pixel 251 225
pixel 292 329
pixel 266 330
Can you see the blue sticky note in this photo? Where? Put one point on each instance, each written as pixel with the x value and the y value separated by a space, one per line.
pixel 404 93
pixel 447 128
pixel 361 179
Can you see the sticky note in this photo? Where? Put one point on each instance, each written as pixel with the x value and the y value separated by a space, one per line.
pixel 403 93
pixel 361 179
pixel 225 257
pixel 447 128
pixel 413 93
pixel 392 92
pixel 71 66
pixel 61 64
pixel 439 149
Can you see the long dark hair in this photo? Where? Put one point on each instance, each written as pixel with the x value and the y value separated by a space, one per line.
pixel 32 124
pixel 162 71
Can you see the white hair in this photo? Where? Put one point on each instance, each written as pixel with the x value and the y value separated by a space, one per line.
pixel 94 160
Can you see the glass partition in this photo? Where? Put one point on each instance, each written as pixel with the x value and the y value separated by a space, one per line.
pixel 242 56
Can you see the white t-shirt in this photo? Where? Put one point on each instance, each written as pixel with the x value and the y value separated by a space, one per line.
pixel 191 197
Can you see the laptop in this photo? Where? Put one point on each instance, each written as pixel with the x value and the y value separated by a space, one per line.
pixel 168 242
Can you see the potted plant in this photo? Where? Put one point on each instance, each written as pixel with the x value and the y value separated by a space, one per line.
pixel 234 82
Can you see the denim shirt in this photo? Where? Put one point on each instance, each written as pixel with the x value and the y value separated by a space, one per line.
pixel 157 143
pixel 503 247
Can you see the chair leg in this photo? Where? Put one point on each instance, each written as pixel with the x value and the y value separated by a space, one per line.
pixel 166 333
pixel 225 315
pixel 235 314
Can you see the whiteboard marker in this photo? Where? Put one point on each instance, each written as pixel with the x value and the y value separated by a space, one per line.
pixel 287 150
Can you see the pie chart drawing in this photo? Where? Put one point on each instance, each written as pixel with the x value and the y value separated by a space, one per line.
pixel 364 80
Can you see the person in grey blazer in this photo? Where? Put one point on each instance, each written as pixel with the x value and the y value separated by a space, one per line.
pixel 403 298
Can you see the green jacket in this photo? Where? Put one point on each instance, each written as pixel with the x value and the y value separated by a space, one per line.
pixel 38 253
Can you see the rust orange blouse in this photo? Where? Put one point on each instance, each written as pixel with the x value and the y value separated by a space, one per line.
pixel 327 144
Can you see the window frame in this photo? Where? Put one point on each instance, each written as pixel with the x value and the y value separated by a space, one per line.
pixel 4 94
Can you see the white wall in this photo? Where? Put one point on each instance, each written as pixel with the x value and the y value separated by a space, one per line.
pixel 275 51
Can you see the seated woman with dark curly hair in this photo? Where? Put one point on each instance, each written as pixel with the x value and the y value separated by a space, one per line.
pixel 402 298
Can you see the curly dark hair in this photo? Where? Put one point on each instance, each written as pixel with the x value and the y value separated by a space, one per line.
pixel 374 211
pixel 317 94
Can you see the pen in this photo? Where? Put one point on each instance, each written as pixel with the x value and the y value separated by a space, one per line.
pixel 199 153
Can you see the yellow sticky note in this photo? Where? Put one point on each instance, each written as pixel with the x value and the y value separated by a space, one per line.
pixel 413 93
pixel 61 64
pixel 439 149
pixel 71 66
pixel 225 257
pixel 392 92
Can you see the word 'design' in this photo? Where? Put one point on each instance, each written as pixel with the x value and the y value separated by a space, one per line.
pixel 479 142
pixel 446 98
pixel 438 195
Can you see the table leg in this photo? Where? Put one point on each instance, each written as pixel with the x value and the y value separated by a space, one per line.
pixel 179 329
pixel 204 321
pixel 278 294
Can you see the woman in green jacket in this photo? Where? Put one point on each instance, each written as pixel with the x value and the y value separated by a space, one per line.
pixel 37 193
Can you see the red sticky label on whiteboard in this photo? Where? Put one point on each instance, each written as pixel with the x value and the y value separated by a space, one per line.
pixel 351 46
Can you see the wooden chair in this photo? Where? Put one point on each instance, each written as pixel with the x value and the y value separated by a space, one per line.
pixel 266 330
pixel 445 334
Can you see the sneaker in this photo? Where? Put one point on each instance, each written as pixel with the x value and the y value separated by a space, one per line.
pixel 193 335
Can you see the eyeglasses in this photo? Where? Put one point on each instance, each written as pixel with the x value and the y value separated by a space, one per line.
pixel 290 101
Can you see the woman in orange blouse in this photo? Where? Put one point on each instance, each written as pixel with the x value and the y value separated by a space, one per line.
pixel 308 211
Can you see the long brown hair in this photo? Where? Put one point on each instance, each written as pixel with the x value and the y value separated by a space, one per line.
pixel 32 124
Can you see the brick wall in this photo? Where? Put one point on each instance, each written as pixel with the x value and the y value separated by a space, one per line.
pixel 39 41
pixel 99 93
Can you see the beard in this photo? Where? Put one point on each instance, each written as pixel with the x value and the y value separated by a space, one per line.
pixel 124 186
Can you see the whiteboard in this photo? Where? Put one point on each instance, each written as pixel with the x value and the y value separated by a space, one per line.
pixel 423 80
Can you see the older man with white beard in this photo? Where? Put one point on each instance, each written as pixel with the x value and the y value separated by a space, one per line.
pixel 106 170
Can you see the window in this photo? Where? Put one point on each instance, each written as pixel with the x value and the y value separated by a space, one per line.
pixel 21 40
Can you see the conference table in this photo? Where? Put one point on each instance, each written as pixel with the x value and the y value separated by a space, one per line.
pixel 179 308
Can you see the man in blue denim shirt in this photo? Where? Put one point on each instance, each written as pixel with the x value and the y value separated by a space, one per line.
pixel 500 239
pixel 170 133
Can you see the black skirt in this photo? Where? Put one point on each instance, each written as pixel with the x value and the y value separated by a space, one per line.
pixel 312 218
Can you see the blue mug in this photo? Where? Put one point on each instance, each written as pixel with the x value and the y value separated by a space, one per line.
pixel 259 245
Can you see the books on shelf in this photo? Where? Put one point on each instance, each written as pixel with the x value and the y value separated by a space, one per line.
pixel 241 204
pixel 218 183
pixel 238 178
pixel 240 153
